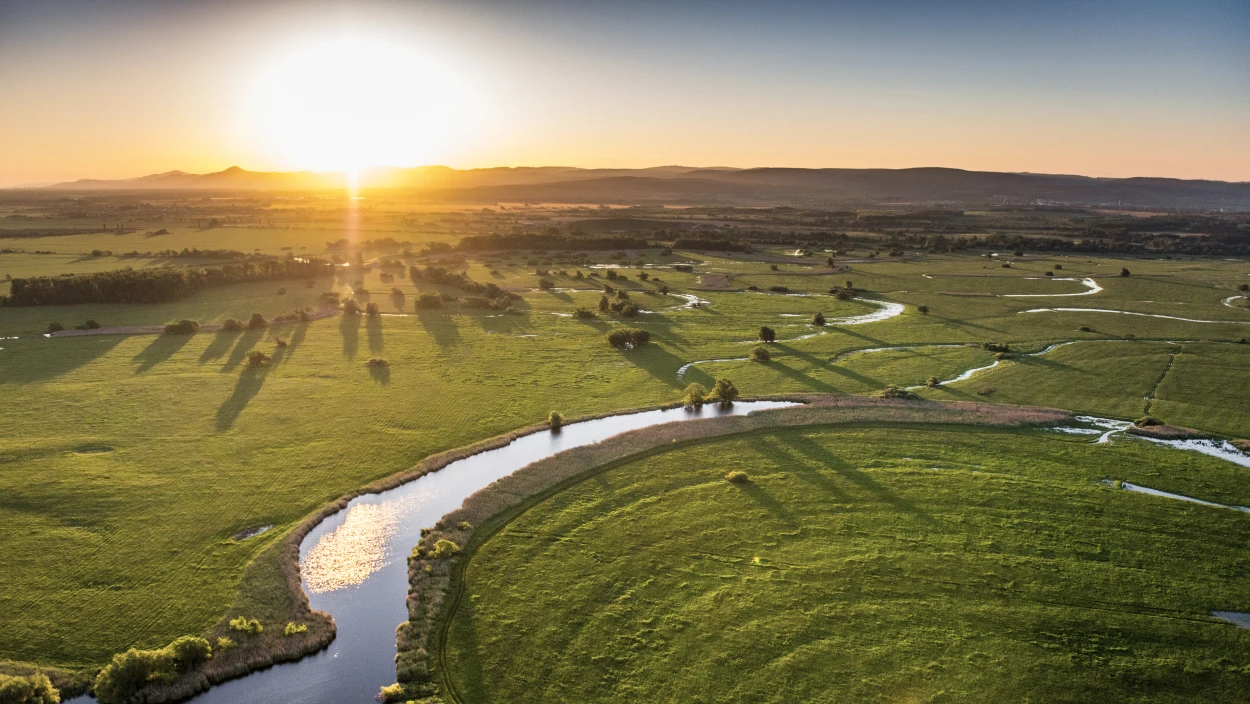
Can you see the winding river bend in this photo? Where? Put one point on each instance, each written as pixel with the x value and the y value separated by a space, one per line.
pixel 354 563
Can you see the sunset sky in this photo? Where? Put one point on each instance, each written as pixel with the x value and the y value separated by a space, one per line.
pixel 116 89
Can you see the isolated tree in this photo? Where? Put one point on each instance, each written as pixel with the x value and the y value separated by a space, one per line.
pixel 55 327
pixel 767 334
pixel 372 309
pixel 723 391
pixel 232 325
pixel 555 420
pixel 604 304
pixel 351 307
pixel 818 319
pixel 760 354
pixel 924 310
pixel 1124 272
pixel 257 321
pixel 695 395
pixel 849 285
pixel 256 358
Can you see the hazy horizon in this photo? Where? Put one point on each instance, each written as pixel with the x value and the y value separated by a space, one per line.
pixel 1117 89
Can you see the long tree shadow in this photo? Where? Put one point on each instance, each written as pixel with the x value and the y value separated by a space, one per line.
pixel 220 345
pixel 245 343
pixel 399 301
pixel 768 501
pixel 245 389
pixel 440 326
pixel 821 455
pixel 349 328
pixel 36 364
pixel 658 362
pixel 373 331
pixel 159 350
pixel 380 374
pixel 770 447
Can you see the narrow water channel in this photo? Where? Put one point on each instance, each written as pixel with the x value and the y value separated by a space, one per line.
pixel 354 564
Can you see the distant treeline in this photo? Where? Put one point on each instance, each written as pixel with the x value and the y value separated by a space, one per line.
pixel 50 232
pixel 153 285
pixel 479 243
pixel 455 279
pixel 1134 243
pixel 196 254
pixel 714 245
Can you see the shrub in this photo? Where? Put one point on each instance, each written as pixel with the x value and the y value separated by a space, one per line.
pixel 182 327
pixel 281 342
pixel 128 672
pixel 893 391
pixel 995 347
pixel 779 289
pixel 1084 328
pixel 773 267
pixel 392 694
pixel 628 338
pixel 1058 267
pixel 737 477
pixel 724 391
pixel 224 643
pixel 932 382
pixel 849 285
pixel 546 284
pixel 257 321
pixel 443 549
pixel 767 334
pixel 555 420
pixel 753 287
pixel 428 299
pixel 1050 273
pixel 696 394
pixel 351 307
pixel 1006 265
pixel 924 310
pixel 985 391
pixel 281 291
pixel 663 289
pixel 189 651
pixel 55 327
pixel 232 325
pixel 1243 445
pixel 612 274
pixel 256 358
pixel 760 354
pixel 330 297
pixel 629 310
pixel 377 362
pixel 372 310
pixel 89 325
pixel 683 267
pixel 818 319
pixel 293 628
pixel 28 689
pixel 1124 272
pixel 1147 421
pixel 244 625
pixel 1244 287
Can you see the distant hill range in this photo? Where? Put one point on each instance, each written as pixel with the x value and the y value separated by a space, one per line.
pixel 703 186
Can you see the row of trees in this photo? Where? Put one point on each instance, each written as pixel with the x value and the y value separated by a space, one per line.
pixel 480 243
pixel 152 285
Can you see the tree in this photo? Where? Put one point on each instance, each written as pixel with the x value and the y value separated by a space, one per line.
pixel 556 421
pixel 818 319
pixel 695 395
pixel 256 358
pixel 628 338
pixel 428 299
pixel 351 307
pixel 760 354
pixel 924 310
pixel 583 313
pixel 849 285
pixel 55 327
pixel 182 327
pixel 932 382
pixel 767 334
pixel 724 391
pixel 1124 272
pixel 372 309
pixel 629 310
pixel 546 284
pixel 232 325
pixel 604 304
pixel 28 689
pixel 257 321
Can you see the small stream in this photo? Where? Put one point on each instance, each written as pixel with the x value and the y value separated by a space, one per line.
pixel 354 563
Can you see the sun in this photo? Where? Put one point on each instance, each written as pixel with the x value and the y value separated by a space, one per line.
pixel 347 103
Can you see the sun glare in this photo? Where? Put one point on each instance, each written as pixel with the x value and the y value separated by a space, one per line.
pixel 348 103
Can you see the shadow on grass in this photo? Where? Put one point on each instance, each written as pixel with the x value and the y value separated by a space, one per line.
pixel 658 362
pixel 159 350
pixel 29 363
pixel 220 345
pixel 245 389
pixel 768 501
pixel 399 301
pixel 817 453
pixel 373 331
pixel 349 328
pixel 440 326
pixel 242 346
pixel 380 374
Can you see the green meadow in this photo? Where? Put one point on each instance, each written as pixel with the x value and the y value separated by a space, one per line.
pixel 127 462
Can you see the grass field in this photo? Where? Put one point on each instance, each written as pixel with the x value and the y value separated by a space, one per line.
pixel 133 459
pixel 865 564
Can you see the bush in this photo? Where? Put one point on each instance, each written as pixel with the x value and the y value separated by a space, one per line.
pixel 293 628
pixel 629 310
pixel 932 382
pixel 604 304
pixel 923 310
pixel 779 289
pixel 995 347
pixel 767 334
pixel 377 362
pixel 256 358
pixel 182 327
pixel 584 313
pixel 281 342
pixel 128 672
pixel 737 477
pixel 1147 421
pixel 683 268
pixel 893 391
pixel 224 643
pixel 392 694
pixel 429 299
pixel 232 325
pixel 443 549
pixel 1084 328
pixel 1124 272
pixel 696 394
pixel 89 325
pixel 330 297
pixel 189 651
pixel 1058 267
pixel 643 276
pixel 28 689
pixel 628 338
pixel 985 390
pixel 546 284
pixel 663 289
pixel 555 420
pixel 760 354
pixel 724 391
pixel 1244 287
pixel 818 319
pixel 257 321
pixel 351 307
pixel 1050 273
pixel 244 625
pixel 372 309
pixel 55 327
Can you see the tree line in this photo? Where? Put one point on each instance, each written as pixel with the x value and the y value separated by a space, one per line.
pixel 153 285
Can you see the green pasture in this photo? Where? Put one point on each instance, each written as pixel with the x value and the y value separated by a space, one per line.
pixel 864 564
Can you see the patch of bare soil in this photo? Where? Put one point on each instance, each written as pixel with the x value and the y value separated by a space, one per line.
pixel 1168 432
pixel 715 282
